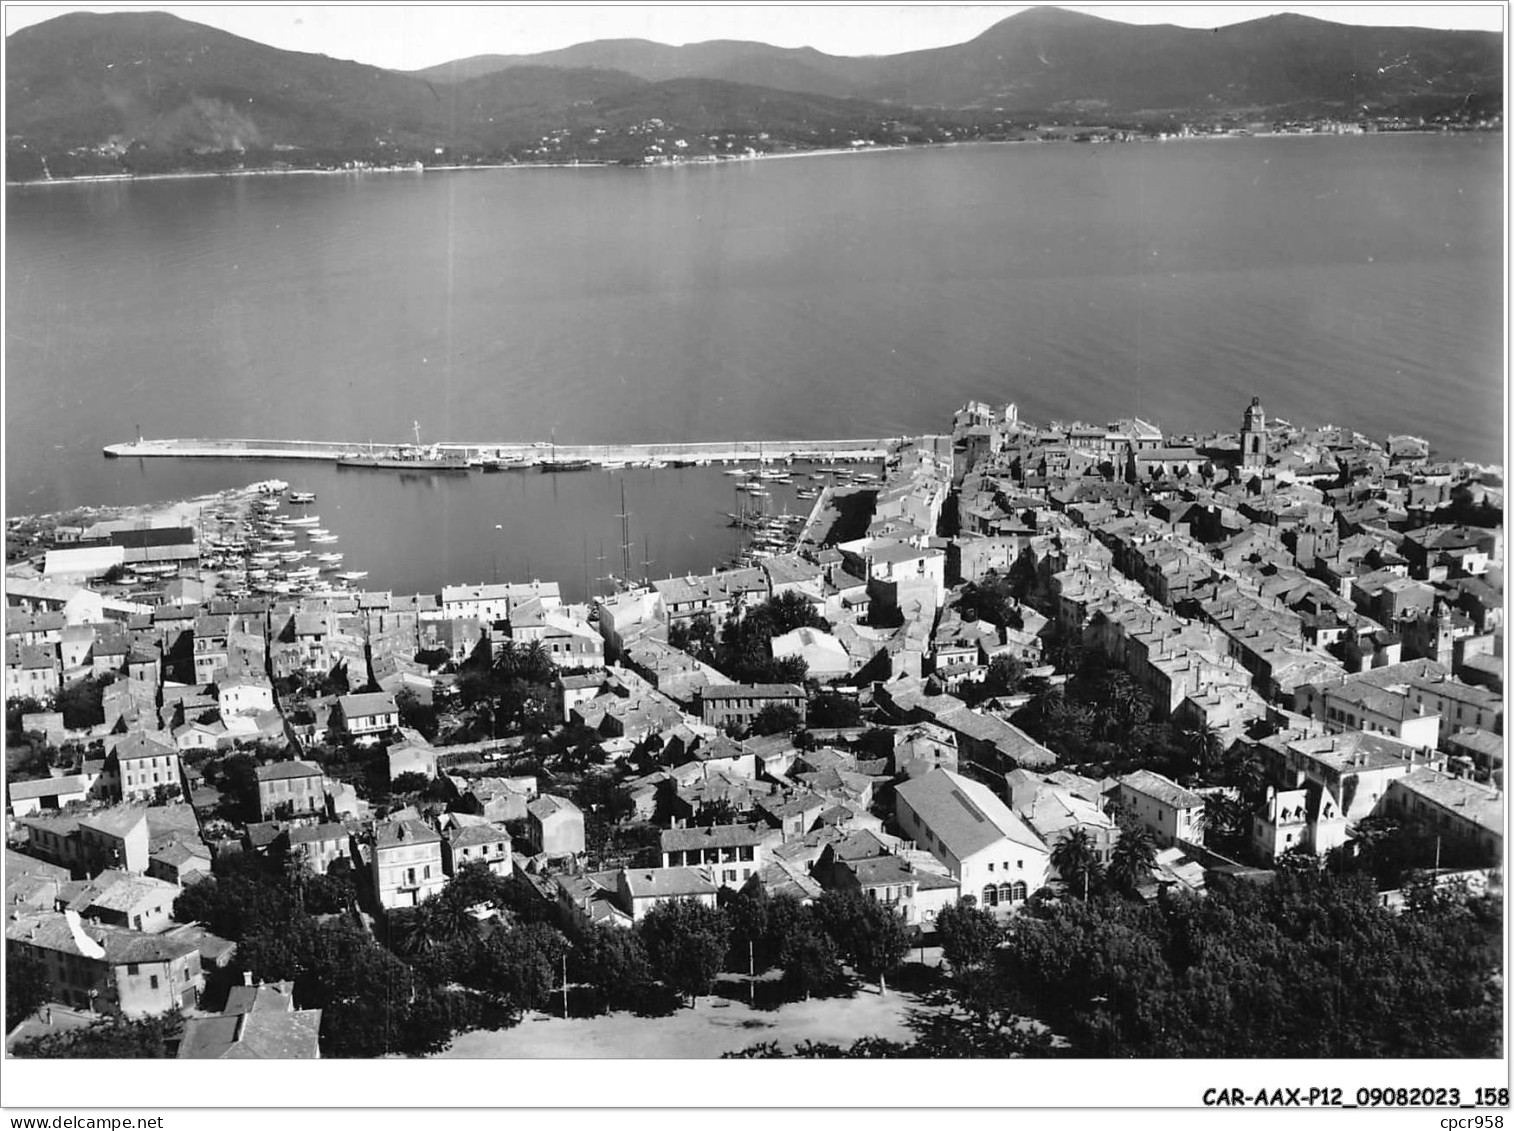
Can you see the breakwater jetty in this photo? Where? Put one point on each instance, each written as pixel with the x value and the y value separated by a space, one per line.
pixel 516 454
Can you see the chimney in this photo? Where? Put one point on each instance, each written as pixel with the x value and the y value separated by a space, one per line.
pixel 246 977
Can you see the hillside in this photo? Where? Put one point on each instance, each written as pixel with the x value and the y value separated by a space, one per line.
pixel 797 70
pixel 1048 60
pixel 84 78
pixel 147 92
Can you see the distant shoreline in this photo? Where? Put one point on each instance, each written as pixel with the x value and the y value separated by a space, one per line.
pixel 718 159
pixel 126 178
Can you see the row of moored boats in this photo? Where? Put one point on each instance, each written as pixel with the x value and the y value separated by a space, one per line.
pixel 273 553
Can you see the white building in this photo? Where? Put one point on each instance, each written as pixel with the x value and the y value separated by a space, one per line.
pixel 1163 806
pixel 992 854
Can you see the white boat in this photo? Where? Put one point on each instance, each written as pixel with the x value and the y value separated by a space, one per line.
pixel 614 465
pixel 304 520
pixel 302 496
pixel 329 557
pixel 353 575
pixel 313 531
pixel 323 539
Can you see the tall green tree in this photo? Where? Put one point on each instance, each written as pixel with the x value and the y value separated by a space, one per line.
pixel 521 967
pixel 810 959
pixel 790 610
pixel 26 985
pixel 372 1003
pixel 1205 748
pixel 775 718
pixel 1077 862
pixel 1134 856
pixel 831 709
pixel 614 963
pixel 686 944
pixel 968 934
pixel 241 898
pixel 1004 677
pixel 746 913
pixel 1246 772
pixel 1226 822
pixel 870 935
pixel 437 922
pixel 414 713
pixel 475 884
pixel 1124 703
pixel 237 779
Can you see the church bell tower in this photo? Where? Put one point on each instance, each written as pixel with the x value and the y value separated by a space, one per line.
pixel 1254 436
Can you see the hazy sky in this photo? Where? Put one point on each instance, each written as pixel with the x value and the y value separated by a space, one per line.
pixel 406 36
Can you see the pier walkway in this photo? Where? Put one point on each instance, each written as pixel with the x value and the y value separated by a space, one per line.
pixel 520 454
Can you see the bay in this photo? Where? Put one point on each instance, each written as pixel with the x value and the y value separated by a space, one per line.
pixel 1350 280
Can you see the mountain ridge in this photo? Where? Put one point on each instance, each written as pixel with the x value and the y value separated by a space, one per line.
pixel 151 92
pixel 998 68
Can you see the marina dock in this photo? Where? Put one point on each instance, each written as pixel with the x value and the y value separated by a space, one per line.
pixel 515 454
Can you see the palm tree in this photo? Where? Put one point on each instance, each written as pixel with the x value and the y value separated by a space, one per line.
pixel 1250 776
pixel 415 930
pixel 1205 747
pixel 1134 857
pixel 1126 701
pixel 1224 817
pixel 453 919
pixel 507 659
pixel 536 663
pixel 1076 862
pixel 432 925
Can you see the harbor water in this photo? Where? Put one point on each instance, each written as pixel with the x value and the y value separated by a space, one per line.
pixel 1350 280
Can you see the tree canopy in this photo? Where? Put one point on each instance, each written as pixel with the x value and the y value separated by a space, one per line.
pixel 686 944
pixel 1077 862
pixel 870 935
pixel 521 967
pixel 745 653
pixel 1311 964
pixel 26 985
pixel 968 934
pixel 1133 858
pixel 775 718
pixel 114 1038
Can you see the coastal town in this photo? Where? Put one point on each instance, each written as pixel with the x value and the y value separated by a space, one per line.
pixel 898 747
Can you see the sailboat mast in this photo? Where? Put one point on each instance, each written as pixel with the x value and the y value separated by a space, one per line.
pixel 625 536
